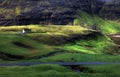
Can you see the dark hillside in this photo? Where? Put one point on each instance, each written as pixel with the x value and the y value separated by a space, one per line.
pixel 19 12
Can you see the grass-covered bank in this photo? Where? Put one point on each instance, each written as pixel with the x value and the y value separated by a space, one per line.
pixel 105 26
pixel 92 45
pixel 44 41
pixel 16 45
pixel 60 71
pixel 78 57
pixel 110 70
pixel 21 47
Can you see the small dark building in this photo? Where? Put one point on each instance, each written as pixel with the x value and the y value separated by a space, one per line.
pixel 26 30
pixel 95 27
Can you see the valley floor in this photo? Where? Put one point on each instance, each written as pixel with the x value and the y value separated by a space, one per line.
pixel 57 44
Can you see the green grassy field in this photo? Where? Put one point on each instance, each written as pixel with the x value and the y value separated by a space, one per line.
pixel 13 43
pixel 55 29
pixel 91 45
pixel 22 46
pixel 60 71
pixel 110 70
pixel 49 39
pixel 60 43
pixel 79 57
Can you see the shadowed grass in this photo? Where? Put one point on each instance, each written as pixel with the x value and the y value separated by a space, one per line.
pixel 32 48
pixel 112 70
pixel 59 71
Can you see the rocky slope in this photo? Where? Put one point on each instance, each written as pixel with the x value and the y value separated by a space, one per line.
pixel 111 10
pixel 50 11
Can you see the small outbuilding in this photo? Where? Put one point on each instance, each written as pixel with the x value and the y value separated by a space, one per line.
pixel 26 30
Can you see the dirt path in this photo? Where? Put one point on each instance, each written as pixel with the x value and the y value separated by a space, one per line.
pixel 115 38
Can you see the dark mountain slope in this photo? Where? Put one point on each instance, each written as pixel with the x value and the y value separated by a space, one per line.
pixel 46 11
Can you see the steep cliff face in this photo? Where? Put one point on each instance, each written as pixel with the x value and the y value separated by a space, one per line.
pixel 37 11
pixel 46 11
pixel 111 10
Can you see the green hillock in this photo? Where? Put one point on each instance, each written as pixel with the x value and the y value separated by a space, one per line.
pixel 105 26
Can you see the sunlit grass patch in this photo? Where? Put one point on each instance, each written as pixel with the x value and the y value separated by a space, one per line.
pixel 45 29
pixel 106 26
pixel 95 45
pixel 77 48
